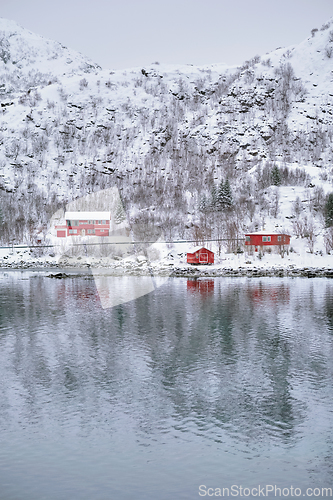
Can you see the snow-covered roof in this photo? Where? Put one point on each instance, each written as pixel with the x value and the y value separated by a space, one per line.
pixel 87 215
pixel 196 249
pixel 264 233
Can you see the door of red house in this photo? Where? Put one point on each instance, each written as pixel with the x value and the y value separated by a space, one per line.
pixel 203 258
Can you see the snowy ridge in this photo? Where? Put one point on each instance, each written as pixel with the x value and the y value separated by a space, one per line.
pixel 32 57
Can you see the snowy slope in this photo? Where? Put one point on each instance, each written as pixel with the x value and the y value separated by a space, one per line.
pixel 165 136
pixel 28 59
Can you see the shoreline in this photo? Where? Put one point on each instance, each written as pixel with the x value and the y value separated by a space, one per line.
pixel 59 270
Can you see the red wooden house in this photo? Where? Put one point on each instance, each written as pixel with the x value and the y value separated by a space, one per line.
pixel 200 255
pixel 267 240
pixel 85 224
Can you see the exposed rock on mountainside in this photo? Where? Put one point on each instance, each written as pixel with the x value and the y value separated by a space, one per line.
pixel 167 137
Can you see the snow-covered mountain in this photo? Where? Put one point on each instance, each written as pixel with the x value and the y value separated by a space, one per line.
pixel 167 137
pixel 29 60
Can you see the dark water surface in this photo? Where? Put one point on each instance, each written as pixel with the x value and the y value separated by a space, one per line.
pixel 217 382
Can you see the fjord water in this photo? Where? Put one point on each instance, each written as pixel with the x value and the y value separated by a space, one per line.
pixel 214 382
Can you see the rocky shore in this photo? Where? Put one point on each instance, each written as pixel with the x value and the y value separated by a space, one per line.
pixel 254 272
pixel 71 268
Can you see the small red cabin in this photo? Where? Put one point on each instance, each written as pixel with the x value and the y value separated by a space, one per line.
pixel 200 255
pixel 265 239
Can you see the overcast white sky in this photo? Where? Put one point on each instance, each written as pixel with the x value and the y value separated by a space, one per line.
pixel 126 33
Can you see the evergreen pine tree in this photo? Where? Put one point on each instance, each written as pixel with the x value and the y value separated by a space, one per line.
pixel 224 196
pixel 1 222
pixel 276 176
pixel 220 196
pixel 329 210
pixel 203 205
pixel 120 215
pixel 228 201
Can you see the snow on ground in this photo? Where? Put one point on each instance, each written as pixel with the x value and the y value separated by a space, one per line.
pixel 163 256
pixel 27 52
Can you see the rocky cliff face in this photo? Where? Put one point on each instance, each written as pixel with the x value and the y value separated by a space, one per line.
pixel 165 136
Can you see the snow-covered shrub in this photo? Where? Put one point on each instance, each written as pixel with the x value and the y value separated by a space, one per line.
pixel 267 62
pixel 30 98
pixel 325 26
pixel 251 62
pixel 329 51
pixel 275 206
pixel 83 83
pixel 300 227
pixel 299 91
pixel 317 199
pixel 328 210
pixel 110 85
pixel 297 207
pixel 13 149
pixel 328 239
pixel 62 93
pixel 4 48
pixel 310 235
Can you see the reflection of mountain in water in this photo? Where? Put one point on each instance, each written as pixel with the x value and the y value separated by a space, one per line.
pixel 219 363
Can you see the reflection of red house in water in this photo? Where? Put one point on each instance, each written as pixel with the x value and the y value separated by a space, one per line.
pixel 200 255
pixel 202 286
pixel 267 240
pixel 81 293
pixel 269 294
pixel 85 224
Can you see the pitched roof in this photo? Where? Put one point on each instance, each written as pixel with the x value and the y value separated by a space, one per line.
pixel 265 233
pixel 196 249
pixel 87 215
